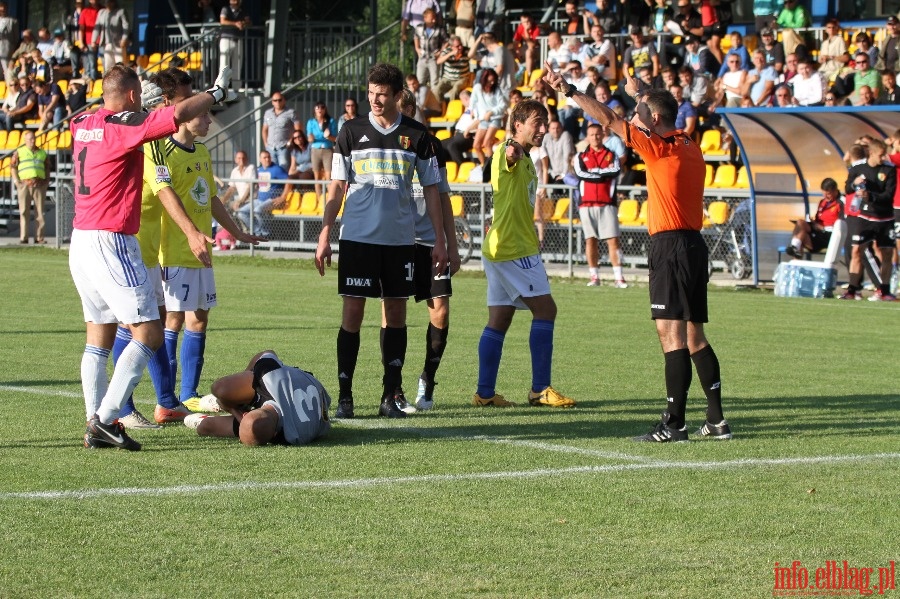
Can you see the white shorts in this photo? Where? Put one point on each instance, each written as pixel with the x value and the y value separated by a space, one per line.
pixel 111 278
pixel 188 289
pixel 510 281
pixel 599 222
pixel 155 275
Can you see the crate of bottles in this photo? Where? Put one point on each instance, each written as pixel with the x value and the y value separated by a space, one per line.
pixel 803 278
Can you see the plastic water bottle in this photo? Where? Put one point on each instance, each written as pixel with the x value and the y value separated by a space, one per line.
pixel 858 187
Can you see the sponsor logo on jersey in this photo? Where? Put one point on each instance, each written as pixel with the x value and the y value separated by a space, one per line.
pixel 376 166
pixel 357 282
pixel 404 141
pixel 657 306
pixel 162 174
pixel 89 135
pixel 363 138
pixel 385 182
pixel 200 192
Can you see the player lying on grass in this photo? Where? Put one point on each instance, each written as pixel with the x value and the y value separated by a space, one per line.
pixel 269 403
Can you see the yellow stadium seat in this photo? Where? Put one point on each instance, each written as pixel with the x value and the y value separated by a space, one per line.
pixel 143 61
pixel 642 215
pixel 725 176
pixel 63 85
pixel 195 63
pixel 3 136
pixel 628 212
pixel 710 171
pixel 65 140
pixel 743 179
pixel 453 112
pixel 452 170
pixel 533 77
pixel 718 212
pixel 2 89
pixel 457 205
pixel 96 89
pixel 561 211
pixel 13 139
pixel 443 134
pixel 154 63
pixel 711 142
pixel 292 206
pixel 465 169
pixel 309 203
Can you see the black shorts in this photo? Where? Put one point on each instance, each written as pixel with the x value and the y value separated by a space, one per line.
pixel 678 262
pixel 427 286
pixel 820 239
pixel 369 270
pixel 896 224
pixel 866 231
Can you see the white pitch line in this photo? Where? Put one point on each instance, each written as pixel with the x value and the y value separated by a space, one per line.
pixel 361 483
pixel 59 393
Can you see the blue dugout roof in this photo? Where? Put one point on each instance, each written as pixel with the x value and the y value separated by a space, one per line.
pixel 787 153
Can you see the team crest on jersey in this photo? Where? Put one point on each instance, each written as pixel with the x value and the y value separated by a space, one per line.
pixel 405 142
pixel 882 176
pixel 162 173
pixel 200 192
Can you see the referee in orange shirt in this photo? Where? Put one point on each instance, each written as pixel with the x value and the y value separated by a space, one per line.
pixel 678 257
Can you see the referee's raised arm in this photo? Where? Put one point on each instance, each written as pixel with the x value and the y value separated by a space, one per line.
pixel 606 116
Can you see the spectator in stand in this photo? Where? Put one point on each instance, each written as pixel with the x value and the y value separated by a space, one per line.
pixel 301 157
pixel 272 195
pixel 240 183
pixel 578 50
pixel 9 37
pixel 700 59
pixel 603 95
pixel 874 183
pixel 428 41
pixel 39 69
pixel 26 45
pixel 889 48
pixel 427 103
pixel 808 86
pixel 862 76
pixel 602 52
pixel 864 44
pixel 464 131
pixel 489 103
pixel 89 47
pixel 279 122
pixel 414 15
pixel 560 148
pixel 667 78
pixel 461 15
pixel 814 235
pixel 730 86
pixel 321 131
pixel 765 14
pixel 760 81
pixel 637 14
pixel 696 89
pixel 791 67
pixel 570 113
pixel 62 58
pixel 51 104
pixel 833 55
pixel 864 96
pixel 773 49
pixel 690 22
pixel 76 96
pixel 539 95
pixel 737 49
pixel 596 169
pixel 26 106
pixel 234 20
pixel 783 97
pixel 351 111
pixel 686 119
pixel 558 55
pixel 606 15
pixel 830 99
pixel 491 16
pixel 502 61
pixel 455 76
pixel 30 169
pixel 112 30
pixel 794 16
pixel 641 53
pixel 45 43
pixel 890 91
pixel 573 18
pixel 549 97
pixel 525 41
pixel 714 28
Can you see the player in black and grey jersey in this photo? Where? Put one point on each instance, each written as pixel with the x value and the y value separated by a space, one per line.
pixel 375 159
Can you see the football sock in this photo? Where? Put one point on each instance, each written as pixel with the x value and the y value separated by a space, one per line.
pixel 617 273
pixel 347 353
pixel 885 289
pixel 93 377
pixel 171 344
pixel 593 272
pixel 796 243
pixel 192 350
pixel 678 381
pixel 123 337
pixel 161 376
pixel 124 379
pixel 381 344
pixel 490 349
pixel 855 282
pixel 394 353
pixel 707 365
pixel 541 342
pixel 435 344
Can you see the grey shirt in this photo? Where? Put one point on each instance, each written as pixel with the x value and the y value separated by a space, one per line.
pixel 281 126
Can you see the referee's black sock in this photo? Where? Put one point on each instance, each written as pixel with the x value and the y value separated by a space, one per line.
pixel 855 282
pixel 394 355
pixel 707 365
pixel 347 353
pixel 435 343
pixel 678 381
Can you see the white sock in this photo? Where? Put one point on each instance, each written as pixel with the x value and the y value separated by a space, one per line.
pixel 593 272
pixel 795 243
pixel 129 368
pixel 617 273
pixel 93 377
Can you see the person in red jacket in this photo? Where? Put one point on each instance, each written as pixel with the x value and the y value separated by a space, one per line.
pixel 814 235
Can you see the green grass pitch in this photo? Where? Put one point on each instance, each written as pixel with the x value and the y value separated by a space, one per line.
pixel 461 501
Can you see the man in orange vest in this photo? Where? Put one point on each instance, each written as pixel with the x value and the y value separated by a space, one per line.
pixel 31 174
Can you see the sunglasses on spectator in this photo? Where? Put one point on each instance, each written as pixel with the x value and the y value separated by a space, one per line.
pixel 278 99
pixel 829 98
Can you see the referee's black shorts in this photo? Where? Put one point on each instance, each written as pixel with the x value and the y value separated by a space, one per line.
pixel 679 274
